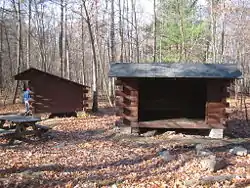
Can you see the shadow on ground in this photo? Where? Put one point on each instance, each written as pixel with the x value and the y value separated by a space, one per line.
pixel 237 128
pixel 227 147
pixel 103 111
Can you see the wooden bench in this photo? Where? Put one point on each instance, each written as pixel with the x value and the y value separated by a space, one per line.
pixel 6 131
pixel 19 126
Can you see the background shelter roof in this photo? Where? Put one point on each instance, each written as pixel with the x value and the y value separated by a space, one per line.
pixel 33 72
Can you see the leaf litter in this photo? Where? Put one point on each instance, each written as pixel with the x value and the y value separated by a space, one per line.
pixel 88 152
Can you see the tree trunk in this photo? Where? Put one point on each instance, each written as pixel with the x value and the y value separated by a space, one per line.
pixel 136 34
pixel 112 47
pixel 121 31
pixel 128 33
pixel 112 32
pixel 223 33
pixel 1 51
pixel 181 27
pixel 95 63
pixel 19 46
pixel 28 35
pixel 131 34
pixel 66 43
pixel 83 47
pixel 213 31
pixel 9 52
pixel 61 39
pixel 155 25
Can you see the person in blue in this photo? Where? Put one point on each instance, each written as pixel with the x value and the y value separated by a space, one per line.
pixel 26 99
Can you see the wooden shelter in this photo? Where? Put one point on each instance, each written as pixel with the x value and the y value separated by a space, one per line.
pixel 53 94
pixel 174 95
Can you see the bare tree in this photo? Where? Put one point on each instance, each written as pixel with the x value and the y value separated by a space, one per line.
pixel 39 9
pixel 19 43
pixel 136 33
pixel 66 42
pixel 223 31
pixel 1 50
pixel 121 25
pixel 28 34
pixel 155 34
pixel 61 39
pixel 213 29
pixel 112 32
pixel 95 63
pixel 83 47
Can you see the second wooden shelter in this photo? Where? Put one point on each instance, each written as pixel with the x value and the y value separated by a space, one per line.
pixel 53 94
pixel 175 95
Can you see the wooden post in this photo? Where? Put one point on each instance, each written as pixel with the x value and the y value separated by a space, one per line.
pixel 85 98
pixel 216 105
pixel 127 93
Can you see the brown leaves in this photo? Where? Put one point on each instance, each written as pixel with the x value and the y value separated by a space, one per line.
pixel 86 152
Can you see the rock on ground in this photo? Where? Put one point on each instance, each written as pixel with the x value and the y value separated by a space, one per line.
pixel 202 151
pixel 240 151
pixel 212 163
pixel 149 133
pixel 167 156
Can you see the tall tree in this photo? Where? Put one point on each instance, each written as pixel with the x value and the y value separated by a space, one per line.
pixel 95 63
pixel 1 49
pixel 61 39
pixel 136 32
pixel 66 43
pixel 28 34
pixel 213 29
pixel 155 34
pixel 40 11
pixel 112 32
pixel 223 31
pixel 121 25
pixel 19 42
pixel 83 47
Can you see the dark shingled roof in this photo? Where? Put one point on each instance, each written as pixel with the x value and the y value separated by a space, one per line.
pixel 33 72
pixel 174 70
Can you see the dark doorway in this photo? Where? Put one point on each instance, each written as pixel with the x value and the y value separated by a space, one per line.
pixel 162 98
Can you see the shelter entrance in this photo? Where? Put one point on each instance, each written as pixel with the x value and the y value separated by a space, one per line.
pixel 164 98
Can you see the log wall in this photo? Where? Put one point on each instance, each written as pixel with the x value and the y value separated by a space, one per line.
pixel 127 92
pixel 216 104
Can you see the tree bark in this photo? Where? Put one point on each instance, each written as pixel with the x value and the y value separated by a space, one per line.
pixel 95 63
pixel 66 42
pixel 9 52
pixel 121 31
pixel 1 51
pixel 136 34
pixel 28 35
pixel 181 27
pixel 155 25
pixel 19 46
pixel 112 47
pixel 61 39
pixel 112 33
pixel 83 47
pixel 213 31
pixel 223 33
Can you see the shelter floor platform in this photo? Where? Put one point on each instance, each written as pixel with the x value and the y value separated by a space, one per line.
pixel 177 123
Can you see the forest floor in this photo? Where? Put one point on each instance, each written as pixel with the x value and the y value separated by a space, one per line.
pixel 88 151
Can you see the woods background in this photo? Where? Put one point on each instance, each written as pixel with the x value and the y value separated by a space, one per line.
pixel 77 39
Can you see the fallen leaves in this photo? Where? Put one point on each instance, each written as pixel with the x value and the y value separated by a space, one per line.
pixel 87 152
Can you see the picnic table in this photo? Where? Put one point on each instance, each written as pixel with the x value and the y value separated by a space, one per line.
pixel 19 126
